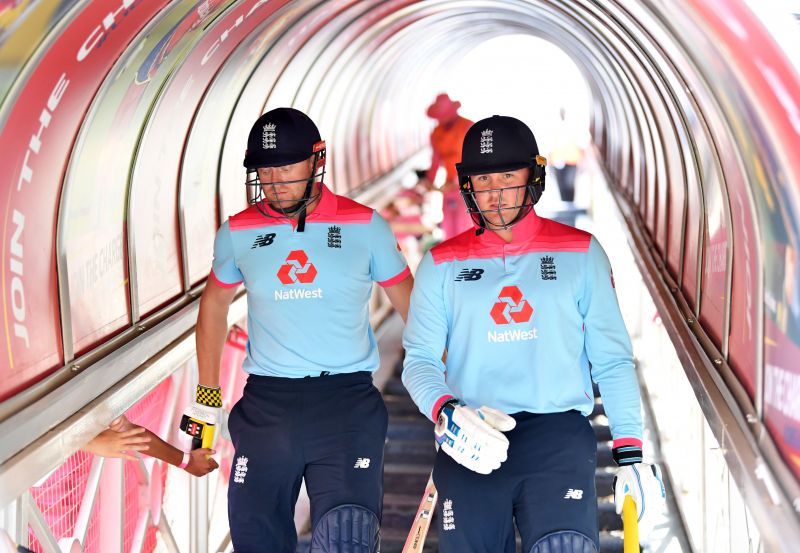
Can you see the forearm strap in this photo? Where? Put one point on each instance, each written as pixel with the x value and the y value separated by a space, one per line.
pixel 212 397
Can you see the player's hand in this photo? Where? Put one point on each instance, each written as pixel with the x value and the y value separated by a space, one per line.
pixel 644 484
pixel 474 437
pixel 200 462
pixel 121 445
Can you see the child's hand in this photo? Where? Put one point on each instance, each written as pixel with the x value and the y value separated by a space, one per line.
pixel 121 424
pixel 112 443
pixel 200 462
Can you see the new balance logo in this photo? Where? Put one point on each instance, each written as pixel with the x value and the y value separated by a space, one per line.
pixel 469 274
pixel 362 463
pixel 573 494
pixel 263 240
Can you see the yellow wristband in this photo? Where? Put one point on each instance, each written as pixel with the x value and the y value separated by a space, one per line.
pixel 211 397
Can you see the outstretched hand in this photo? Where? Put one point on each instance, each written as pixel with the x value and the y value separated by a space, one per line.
pixel 119 444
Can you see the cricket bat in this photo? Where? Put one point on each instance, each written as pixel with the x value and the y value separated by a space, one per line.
pixel 422 521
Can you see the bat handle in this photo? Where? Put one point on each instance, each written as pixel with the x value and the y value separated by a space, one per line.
pixel 630 526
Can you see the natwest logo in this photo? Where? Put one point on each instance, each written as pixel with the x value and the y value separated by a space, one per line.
pixel 297 269
pixel 511 307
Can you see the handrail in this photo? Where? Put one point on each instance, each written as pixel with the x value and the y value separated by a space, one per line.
pixel 766 483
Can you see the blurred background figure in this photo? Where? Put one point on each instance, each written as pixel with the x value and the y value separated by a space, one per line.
pixel 565 155
pixel 404 214
pixel 446 140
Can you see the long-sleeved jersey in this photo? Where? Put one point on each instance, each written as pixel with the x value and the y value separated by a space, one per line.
pixel 522 323
pixel 308 292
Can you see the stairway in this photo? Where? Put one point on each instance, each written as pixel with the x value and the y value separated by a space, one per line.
pixel 409 458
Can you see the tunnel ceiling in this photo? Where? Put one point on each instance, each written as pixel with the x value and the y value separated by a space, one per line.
pixel 124 123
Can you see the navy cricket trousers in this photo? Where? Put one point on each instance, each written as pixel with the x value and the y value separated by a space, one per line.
pixel 329 430
pixel 546 485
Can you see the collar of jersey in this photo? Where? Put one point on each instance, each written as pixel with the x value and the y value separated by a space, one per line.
pixel 326 206
pixel 524 231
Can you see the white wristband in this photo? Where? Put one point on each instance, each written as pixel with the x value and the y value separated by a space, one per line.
pixel 185 461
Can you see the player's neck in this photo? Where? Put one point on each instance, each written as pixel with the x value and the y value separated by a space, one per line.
pixel 506 234
pixel 316 190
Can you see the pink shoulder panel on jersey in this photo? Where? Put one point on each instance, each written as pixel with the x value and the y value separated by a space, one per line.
pixel 252 218
pixel 552 237
pixel 347 211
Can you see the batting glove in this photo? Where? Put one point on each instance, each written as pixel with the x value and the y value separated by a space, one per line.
pixel 473 437
pixel 644 484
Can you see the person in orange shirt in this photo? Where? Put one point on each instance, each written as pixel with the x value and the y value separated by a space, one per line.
pixel 446 140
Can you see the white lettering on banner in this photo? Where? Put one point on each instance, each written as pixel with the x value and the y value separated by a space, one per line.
pixel 513 335
pixel 716 258
pixel 748 278
pixel 226 33
pixel 295 294
pixel 17 290
pixel 35 143
pixel 98 34
pixel 783 391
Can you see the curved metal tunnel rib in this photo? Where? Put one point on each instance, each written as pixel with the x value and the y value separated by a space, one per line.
pixel 124 125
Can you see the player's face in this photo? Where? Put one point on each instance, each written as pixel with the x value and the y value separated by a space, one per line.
pixel 499 195
pixel 285 186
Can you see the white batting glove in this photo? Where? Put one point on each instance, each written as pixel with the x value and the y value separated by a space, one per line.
pixel 644 484
pixel 473 437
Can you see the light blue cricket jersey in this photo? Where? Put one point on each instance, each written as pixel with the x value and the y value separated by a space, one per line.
pixel 521 321
pixel 308 292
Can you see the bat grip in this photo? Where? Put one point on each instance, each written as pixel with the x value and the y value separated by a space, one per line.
pixel 630 526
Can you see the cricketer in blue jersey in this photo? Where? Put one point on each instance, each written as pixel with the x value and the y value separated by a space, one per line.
pixel 526 310
pixel 308 260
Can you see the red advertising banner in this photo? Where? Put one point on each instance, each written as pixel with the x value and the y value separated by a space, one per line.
pixel 95 209
pixel 782 393
pixel 36 141
pixel 157 169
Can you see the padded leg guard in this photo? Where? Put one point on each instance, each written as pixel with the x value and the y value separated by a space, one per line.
pixel 346 529
pixel 565 541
